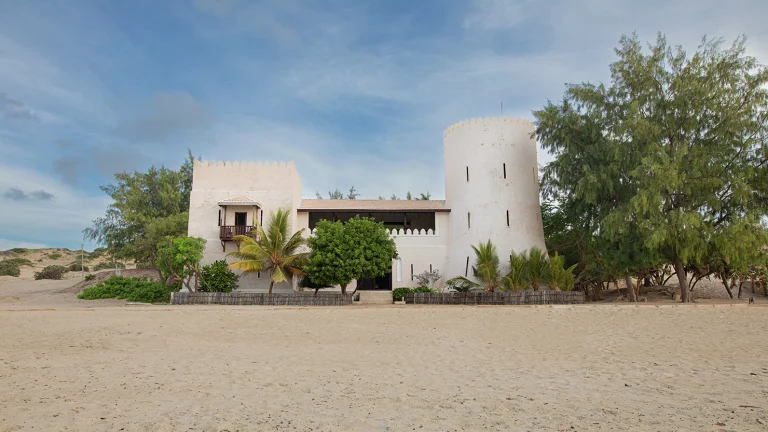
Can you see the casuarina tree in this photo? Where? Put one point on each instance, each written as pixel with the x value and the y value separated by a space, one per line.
pixel 670 156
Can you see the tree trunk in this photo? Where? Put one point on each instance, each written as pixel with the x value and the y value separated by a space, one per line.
pixel 631 296
pixel 343 289
pixel 680 270
pixel 728 288
pixel 741 285
pixel 271 283
pixel 316 290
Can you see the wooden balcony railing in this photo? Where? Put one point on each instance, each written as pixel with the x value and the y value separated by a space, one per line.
pixel 227 232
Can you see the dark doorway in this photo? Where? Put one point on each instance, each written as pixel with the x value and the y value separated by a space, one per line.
pixel 241 218
pixel 383 283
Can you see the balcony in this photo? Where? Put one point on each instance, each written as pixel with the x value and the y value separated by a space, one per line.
pixel 228 232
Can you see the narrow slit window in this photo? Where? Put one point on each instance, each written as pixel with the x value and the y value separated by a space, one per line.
pixel 261 219
pixel 507 217
pixel 469 224
pixel 467 174
pixel 411 271
pixel 258 275
pixel 219 217
pixel 505 170
pixel 430 268
pixel 466 269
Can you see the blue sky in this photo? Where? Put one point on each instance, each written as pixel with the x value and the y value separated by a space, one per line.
pixel 355 92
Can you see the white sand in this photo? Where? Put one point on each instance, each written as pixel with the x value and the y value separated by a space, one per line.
pixel 406 368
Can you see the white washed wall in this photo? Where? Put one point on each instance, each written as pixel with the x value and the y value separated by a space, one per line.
pixel 272 185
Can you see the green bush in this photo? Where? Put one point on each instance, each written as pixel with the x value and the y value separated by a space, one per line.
pixel 18 250
pixel 18 261
pixel 217 277
pixel 54 256
pixel 131 289
pixel 78 267
pixel 90 277
pixel 108 266
pixel 51 272
pixel 397 293
pixel 8 268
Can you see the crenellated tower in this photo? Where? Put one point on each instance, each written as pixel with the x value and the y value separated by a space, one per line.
pixel 492 189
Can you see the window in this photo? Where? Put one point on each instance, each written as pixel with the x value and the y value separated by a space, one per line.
pixel 261 219
pixel 507 217
pixel 219 217
pixel 469 225
pixel 505 170
pixel 430 268
pixel 467 174
pixel 258 275
pixel 241 218
pixel 411 271
pixel 466 269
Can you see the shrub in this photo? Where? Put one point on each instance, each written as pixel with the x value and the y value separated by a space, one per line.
pixel 131 289
pixel 90 277
pixel 18 250
pixel 217 277
pixel 397 293
pixel 461 284
pixel 18 261
pixel 54 256
pixel 8 268
pixel 78 267
pixel 51 272
pixel 108 265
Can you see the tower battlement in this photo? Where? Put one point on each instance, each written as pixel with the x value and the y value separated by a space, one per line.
pixel 244 165
pixel 484 120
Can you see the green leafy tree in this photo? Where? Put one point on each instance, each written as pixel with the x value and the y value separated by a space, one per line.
pixel 178 260
pixel 217 277
pixel 408 196
pixel 342 252
pixel 670 156
pixel 306 282
pixel 352 193
pixel 274 250
pixel 375 247
pixel 332 260
pixel 133 224
pixel 425 196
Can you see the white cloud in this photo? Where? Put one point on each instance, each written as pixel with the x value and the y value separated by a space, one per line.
pixel 6 244
pixel 58 221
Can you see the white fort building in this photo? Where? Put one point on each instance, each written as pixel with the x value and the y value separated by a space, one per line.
pixel 491 192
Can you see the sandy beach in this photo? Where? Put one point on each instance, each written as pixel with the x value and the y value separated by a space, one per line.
pixel 385 368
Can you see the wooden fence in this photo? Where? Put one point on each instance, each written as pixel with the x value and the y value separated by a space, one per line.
pixel 497 298
pixel 261 299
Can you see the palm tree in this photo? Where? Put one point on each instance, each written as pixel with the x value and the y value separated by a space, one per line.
pixel 271 250
pixel 538 267
pixel 486 268
pixel 518 267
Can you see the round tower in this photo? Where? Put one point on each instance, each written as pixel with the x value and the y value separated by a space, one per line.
pixel 492 189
